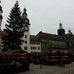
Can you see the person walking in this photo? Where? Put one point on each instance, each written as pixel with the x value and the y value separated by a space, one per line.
pixel 61 62
pixel 41 61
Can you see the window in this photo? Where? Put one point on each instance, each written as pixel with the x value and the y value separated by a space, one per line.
pixel 35 47
pixel 31 48
pixel 25 42
pixel 25 36
pixel 25 48
pixel 38 48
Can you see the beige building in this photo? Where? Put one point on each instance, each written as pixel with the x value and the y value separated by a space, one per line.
pixel 53 42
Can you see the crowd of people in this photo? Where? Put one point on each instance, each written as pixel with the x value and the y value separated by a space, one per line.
pixel 9 67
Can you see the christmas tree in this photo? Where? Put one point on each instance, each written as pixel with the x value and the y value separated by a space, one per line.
pixel 14 29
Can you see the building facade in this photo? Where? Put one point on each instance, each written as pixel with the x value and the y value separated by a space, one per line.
pixel 51 42
pixel 35 44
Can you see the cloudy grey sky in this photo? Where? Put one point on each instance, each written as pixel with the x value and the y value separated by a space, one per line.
pixel 44 15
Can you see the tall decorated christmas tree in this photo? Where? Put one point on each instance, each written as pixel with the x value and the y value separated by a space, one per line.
pixel 14 30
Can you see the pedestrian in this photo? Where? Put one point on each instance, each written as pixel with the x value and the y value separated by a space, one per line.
pixel 41 61
pixel 61 62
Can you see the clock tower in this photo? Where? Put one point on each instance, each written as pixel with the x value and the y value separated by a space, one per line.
pixel 26 27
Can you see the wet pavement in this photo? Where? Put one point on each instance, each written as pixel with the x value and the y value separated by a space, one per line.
pixel 35 69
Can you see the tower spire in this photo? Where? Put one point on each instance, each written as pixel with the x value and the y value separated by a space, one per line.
pixel 60 25
pixel 24 16
pixel 17 1
pixel 24 13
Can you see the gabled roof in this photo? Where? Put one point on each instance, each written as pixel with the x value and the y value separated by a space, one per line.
pixel 46 35
pixel 54 37
pixel 33 38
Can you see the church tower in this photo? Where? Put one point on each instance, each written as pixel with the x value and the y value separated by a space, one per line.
pixel 61 31
pixel 26 38
pixel 1 17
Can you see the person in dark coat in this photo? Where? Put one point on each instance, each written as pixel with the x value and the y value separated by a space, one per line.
pixel 6 68
pixel 41 61
pixel 61 63
pixel 13 66
pixel 1 68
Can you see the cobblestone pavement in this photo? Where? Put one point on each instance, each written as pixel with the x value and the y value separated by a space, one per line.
pixel 35 69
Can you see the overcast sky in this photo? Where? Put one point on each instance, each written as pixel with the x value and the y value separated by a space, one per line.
pixel 44 15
